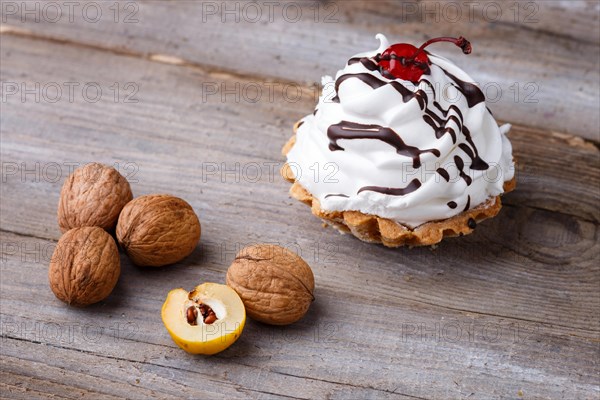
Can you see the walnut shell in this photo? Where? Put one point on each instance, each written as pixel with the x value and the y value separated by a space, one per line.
pixel 85 266
pixel 275 284
pixel 93 195
pixel 157 230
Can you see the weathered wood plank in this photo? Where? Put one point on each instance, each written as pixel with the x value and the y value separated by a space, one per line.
pixel 525 62
pixel 541 284
pixel 38 377
pixel 151 374
pixel 555 252
pixel 557 172
pixel 348 346
pixel 577 20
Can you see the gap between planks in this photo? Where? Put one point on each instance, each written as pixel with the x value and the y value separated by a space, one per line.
pixel 221 73
pixel 567 139
pixel 586 334
pixel 94 354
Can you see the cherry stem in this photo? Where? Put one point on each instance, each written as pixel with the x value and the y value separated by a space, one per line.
pixel 460 42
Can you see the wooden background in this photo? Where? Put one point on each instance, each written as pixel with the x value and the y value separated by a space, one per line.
pixel 511 311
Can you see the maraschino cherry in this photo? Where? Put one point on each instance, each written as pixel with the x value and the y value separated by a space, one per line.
pixel 405 61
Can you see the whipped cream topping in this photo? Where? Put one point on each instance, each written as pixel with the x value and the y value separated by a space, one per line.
pixel 412 153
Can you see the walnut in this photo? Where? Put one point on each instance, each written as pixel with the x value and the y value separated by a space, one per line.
pixel 157 230
pixel 275 284
pixel 93 195
pixel 85 266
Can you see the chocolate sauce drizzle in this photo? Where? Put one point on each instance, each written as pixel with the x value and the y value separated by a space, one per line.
pixel 472 93
pixel 439 124
pixel 423 66
pixel 476 162
pixel 460 165
pixel 444 174
pixel 468 205
pixel 372 64
pixel 369 79
pixel 368 63
pixel 337 195
pixel 376 83
pixel 407 95
pixel 354 130
pixel 411 187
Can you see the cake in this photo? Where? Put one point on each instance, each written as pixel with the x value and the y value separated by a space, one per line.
pixel 401 149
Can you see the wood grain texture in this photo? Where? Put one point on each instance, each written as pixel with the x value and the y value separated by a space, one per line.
pixel 555 18
pixel 508 312
pixel 342 349
pixel 526 54
pixel 511 309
